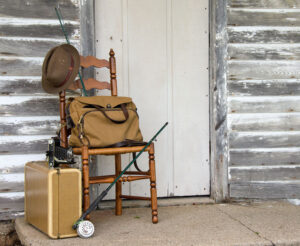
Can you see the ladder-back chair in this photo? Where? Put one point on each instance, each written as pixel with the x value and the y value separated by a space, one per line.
pixel 85 151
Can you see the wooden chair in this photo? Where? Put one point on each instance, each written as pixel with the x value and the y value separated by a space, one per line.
pixel 85 152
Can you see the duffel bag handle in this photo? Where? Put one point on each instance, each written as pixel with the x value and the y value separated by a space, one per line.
pixel 124 110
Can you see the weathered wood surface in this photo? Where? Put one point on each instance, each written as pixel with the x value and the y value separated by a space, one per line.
pixel 15 163
pixel 242 140
pixel 11 201
pixel 275 104
pixel 275 87
pixel 218 100
pixel 26 86
pixel 37 28
pixel 29 106
pixel 24 144
pixel 263 17
pixel 30 47
pixel 12 182
pixel 263 34
pixel 42 125
pixel 267 156
pixel 263 69
pixel 263 90
pixel 41 9
pixel 264 122
pixel 265 173
pixel 275 4
pixel 20 66
pixel 271 190
pixel 264 51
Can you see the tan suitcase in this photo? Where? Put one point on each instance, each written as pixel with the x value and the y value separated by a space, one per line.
pixel 52 198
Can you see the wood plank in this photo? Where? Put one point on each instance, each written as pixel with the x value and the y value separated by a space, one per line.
pixel 270 87
pixel 259 34
pixel 278 4
pixel 42 125
pixel 262 70
pixel 272 190
pixel 24 144
pixel 16 163
pixel 264 104
pixel 12 182
pixel 14 85
pixel 29 106
pixel 263 17
pixel 34 28
pixel 264 173
pixel 16 66
pixel 25 85
pixel 45 9
pixel 266 51
pixel 267 156
pixel 30 47
pixel 240 140
pixel 264 122
pixel 11 201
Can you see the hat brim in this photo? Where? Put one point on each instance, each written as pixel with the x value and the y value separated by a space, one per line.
pixel 46 84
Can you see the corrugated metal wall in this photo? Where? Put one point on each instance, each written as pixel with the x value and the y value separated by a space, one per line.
pixel 263 98
pixel 28 116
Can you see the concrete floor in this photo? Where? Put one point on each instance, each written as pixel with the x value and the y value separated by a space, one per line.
pixel 261 223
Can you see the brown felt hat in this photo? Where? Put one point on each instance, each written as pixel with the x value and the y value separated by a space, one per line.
pixel 60 68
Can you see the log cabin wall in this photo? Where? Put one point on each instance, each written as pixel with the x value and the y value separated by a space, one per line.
pixel 263 82
pixel 28 116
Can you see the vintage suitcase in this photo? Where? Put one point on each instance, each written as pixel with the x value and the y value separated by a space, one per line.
pixel 52 198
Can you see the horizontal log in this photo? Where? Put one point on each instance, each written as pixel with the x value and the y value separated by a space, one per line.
pixel 278 4
pixel 264 122
pixel 263 70
pixel 270 87
pixel 263 17
pixel 16 163
pixel 275 35
pixel 270 190
pixel 42 29
pixel 29 106
pixel 16 66
pixel 42 125
pixel 264 51
pixel 270 104
pixel 22 85
pixel 24 144
pixel 273 173
pixel 240 140
pixel 12 182
pixel 40 9
pixel 267 156
pixel 11 201
pixel 30 47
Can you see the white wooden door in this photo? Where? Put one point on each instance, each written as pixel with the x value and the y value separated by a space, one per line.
pixel 161 49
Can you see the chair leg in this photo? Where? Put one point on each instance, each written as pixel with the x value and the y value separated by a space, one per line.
pixel 153 184
pixel 85 177
pixel 118 185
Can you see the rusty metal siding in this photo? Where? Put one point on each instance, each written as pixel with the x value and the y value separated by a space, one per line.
pixel 263 98
pixel 28 116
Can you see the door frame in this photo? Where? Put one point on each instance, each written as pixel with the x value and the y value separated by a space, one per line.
pixel 218 100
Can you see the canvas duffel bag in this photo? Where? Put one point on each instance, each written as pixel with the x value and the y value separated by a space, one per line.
pixel 102 121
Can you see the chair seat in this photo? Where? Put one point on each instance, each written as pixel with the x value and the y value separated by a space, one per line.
pixel 111 151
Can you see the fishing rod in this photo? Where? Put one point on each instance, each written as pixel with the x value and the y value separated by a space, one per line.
pixel 85 229
pixel 59 16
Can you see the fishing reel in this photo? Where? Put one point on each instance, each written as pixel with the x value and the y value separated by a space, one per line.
pixel 85 229
pixel 57 155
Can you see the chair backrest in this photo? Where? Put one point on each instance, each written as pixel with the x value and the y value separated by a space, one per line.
pixel 89 83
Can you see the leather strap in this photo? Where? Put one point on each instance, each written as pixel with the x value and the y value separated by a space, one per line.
pixel 124 110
